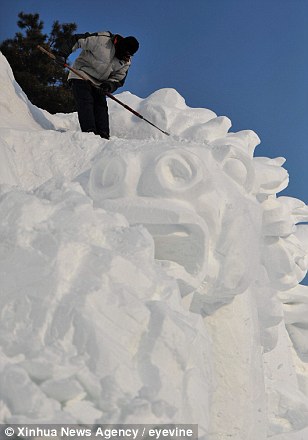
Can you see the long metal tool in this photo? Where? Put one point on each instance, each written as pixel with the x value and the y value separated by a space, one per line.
pixel 67 66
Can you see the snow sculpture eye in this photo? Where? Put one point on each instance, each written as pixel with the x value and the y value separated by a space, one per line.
pixel 107 177
pixel 178 171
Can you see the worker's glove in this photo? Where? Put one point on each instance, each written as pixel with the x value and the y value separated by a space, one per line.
pixel 60 60
pixel 108 86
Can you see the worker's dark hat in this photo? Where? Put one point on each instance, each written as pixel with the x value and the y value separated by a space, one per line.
pixel 129 44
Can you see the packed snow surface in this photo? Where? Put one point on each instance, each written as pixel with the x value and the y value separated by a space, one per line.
pixel 149 279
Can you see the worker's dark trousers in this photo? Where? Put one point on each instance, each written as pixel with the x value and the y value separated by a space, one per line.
pixel 91 107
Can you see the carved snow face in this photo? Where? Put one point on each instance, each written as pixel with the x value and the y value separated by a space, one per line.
pixel 158 189
pixel 173 192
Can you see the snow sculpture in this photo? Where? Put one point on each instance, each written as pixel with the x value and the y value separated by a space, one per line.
pixel 202 202
pixel 200 227
pixel 172 190
pixel 93 329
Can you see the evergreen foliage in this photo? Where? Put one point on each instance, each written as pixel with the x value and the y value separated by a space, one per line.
pixel 44 82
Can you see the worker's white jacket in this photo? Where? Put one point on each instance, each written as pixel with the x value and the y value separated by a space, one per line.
pixel 97 60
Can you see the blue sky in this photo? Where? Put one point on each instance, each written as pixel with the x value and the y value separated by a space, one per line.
pixel 245 59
